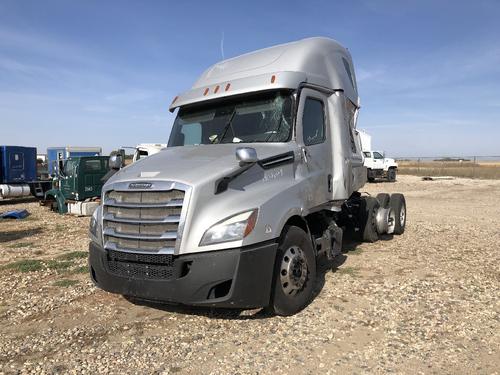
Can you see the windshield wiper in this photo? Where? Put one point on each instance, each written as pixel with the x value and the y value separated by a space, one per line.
pixel 226 127
pixel 276 131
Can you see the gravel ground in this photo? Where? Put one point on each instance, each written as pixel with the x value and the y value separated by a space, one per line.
pixel 423 302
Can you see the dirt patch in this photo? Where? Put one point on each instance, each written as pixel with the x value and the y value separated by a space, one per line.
pixel 423 302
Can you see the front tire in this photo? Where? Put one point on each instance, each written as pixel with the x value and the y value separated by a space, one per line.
pixel 294 273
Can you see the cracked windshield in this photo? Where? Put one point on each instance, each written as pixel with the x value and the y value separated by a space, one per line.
pixel 246 120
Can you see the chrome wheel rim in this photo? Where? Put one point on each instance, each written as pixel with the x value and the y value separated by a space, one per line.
pixel 293 270
pixel 391 221
pixel 402 215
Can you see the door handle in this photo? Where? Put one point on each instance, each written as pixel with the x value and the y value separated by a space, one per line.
pixel 304 154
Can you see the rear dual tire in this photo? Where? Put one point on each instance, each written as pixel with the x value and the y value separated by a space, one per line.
pixel 368 215
pixel 383 199
pixel 398 204
pixel 368 218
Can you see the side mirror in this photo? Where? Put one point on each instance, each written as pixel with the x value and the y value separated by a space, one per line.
pixel 246 155
pixel 115 161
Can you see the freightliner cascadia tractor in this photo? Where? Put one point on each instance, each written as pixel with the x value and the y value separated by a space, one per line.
pixel 260 178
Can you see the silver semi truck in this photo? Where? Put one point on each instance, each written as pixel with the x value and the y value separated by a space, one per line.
pixel 260 178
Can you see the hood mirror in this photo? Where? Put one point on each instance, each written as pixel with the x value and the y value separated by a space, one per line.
pixel 246 155
pixel 117 159
pixel 115 162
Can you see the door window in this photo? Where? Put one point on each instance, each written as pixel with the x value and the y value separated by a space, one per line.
pixel 378 155
pixel 92 165
pixel 141 154
pixel 313 122
pixel 17 161
pixel 68 169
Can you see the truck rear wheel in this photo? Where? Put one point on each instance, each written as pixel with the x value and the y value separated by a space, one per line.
pixel 398 204
pixel 294 273
pixel 391 175
pixel 368 216
pixel 383 199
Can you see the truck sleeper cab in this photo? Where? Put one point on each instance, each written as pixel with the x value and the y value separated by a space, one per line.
pixel 19 173
pixel 260 177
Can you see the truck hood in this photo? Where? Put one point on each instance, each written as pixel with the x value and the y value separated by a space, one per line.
pixel 193 165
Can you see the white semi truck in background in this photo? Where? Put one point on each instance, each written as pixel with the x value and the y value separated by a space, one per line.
pixel 377 165
pixel 144 150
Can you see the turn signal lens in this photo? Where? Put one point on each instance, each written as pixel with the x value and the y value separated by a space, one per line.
pixel 250 223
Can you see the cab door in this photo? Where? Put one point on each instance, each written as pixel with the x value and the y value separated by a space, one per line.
pixel 313 137
pixel 93 170
pixel 378 160
pixel 16 167
pixel 67 179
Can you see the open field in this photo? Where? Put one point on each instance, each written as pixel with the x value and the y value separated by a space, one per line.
pixel 468 169
pixel 424 302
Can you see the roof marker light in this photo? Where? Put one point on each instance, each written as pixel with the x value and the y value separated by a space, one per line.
pixel 216 89
pixel 227 87
pixel 273 78
pixel 205 92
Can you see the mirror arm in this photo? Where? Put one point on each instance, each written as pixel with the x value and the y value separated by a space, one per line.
pixel 222 184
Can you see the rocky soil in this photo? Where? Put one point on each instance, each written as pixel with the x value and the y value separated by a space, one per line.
pixel 424 302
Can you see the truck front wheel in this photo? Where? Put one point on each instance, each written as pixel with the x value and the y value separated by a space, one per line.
pixel 294 273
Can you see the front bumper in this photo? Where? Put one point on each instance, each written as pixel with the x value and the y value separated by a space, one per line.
pixel 237 278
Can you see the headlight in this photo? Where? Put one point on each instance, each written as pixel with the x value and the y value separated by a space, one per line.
pixel 94 226
pixel 234 228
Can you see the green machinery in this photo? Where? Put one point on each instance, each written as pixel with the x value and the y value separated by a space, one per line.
pixel 79 181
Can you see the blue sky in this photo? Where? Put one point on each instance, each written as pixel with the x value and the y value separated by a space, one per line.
pixel 102 73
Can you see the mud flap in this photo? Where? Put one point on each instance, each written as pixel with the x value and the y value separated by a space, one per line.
pixel 336 247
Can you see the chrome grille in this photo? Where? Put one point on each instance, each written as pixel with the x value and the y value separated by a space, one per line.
pixel 146 213
pixel 148 197
pixel 142 221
